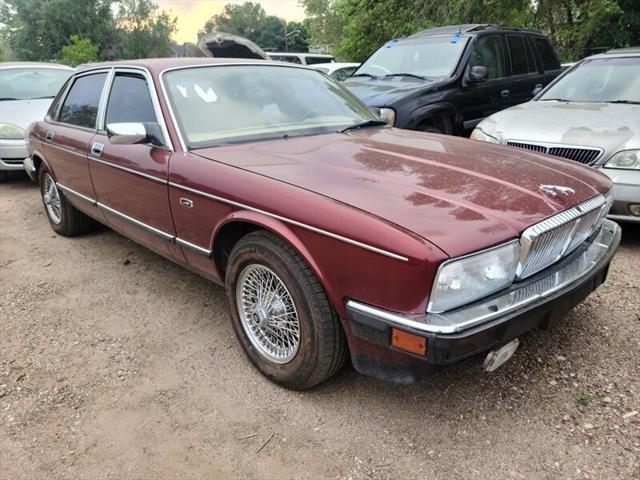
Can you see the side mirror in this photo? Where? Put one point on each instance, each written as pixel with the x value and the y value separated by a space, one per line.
pixel 127 133
pixel 478 74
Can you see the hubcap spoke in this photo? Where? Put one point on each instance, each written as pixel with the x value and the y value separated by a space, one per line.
pixel 268 313
pixel 51 199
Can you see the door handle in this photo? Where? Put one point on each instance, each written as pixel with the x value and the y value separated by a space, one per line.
pixel 186 202
pixel 505 93
pixel 49 136
pixel 96 149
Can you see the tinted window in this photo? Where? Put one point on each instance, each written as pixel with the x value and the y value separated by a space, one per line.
pixel 285 58
pixel 549 59
pixel 521 60
pixel 81 105
pixel 316 60
pixel 130 100
pixel 489 52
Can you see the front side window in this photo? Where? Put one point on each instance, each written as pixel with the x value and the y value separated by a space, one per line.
pixel 549 59
pixel 521 60
pixel 31 83
pixel 220 105
pixel 599 80
pixel 130 100
pixel 489 52
pixel 432 57
pixel 80 108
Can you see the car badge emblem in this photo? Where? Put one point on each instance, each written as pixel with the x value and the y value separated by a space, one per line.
pixel 555 191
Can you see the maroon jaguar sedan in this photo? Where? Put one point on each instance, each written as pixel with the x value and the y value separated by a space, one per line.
pixel 334 235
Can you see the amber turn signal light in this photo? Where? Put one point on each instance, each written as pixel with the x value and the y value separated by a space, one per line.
pixel 409 342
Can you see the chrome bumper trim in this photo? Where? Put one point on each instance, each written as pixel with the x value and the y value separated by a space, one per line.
pixel 515 298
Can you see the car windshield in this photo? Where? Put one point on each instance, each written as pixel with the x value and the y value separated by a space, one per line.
pixel 599 80
pixel 220 105
pixel 431 57
pixel 31 83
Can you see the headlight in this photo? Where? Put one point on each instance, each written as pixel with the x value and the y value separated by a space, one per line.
pixel 463 280
pixel 627 160
pixel 478 134
pixel 388 115
pixel 10 132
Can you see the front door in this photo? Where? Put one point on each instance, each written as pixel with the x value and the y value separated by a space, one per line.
pixel 478 100
pixel 131 180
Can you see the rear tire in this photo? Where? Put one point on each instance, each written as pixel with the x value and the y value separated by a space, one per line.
pixel 281 314
pixel 4 176
pixel 64 218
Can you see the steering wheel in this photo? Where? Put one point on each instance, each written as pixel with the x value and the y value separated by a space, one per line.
pixel 379 67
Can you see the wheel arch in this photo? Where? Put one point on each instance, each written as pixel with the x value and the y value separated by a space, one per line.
pixel 40 159
pixel 428 112
pixel 238 224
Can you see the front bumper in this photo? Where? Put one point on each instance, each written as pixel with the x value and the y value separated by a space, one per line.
pixel 12 154
pixel 626 192
pixel 537 302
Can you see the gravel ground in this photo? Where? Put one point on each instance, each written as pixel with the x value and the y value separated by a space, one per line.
pixel 115 363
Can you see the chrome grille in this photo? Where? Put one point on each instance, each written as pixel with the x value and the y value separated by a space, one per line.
pixel 586 156
pixel 550 240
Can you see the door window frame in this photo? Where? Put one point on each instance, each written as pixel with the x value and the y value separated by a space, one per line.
pixel 143 72
pixel 55 117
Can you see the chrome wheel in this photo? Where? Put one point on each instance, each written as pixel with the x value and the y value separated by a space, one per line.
pixel 51 199
pixel 268 314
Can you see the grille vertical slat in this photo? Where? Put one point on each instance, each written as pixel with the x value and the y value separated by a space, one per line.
pixel 548 241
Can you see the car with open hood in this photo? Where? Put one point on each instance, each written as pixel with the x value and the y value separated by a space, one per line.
pixel 26 91
pixel 589 115
pixel 336 237
pixel 447 79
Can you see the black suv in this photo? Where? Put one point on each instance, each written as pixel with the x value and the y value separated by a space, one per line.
pixel 447 79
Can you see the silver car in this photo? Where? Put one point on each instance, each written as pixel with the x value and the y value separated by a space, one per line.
pixel 26 91
pixel 590 114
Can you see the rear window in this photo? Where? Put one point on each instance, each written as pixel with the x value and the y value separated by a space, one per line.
pixel 286 58
pixel 521 60
pixel 81 105
pixel 548 56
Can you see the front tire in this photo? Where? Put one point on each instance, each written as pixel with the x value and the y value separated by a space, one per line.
pixel 281 314
pixel 64 218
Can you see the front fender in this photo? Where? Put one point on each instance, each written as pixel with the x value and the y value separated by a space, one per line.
pixel 419 114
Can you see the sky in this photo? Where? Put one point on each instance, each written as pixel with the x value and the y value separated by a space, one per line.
pixel 192 14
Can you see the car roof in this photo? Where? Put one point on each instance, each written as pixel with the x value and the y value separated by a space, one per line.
pixel 470 29
pixel 618 53
pixel 304 54
pixel 157 65
pixel 34 65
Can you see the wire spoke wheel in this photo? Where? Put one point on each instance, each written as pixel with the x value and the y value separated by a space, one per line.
pixel 268 314
pixel 51 198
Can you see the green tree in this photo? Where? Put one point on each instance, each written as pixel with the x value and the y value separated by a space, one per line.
pixel 145 31
pixel 38 29
pixel 249 20
pixel 81 50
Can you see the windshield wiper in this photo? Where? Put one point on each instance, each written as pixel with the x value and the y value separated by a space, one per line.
pixel 554 100
pixel 364 75
pixel 365 124
pixel 624 101
pixel 40 98
pixel 7 98
pixel 412 75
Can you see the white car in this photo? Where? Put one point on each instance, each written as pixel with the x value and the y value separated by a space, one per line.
pixel 591 115
pixel 26 92
pixel 338 70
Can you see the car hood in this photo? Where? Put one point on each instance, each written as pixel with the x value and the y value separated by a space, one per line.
pixel 23 112
pixel 227 45
pixel 609 126
pixel 382 92
pixel 460 195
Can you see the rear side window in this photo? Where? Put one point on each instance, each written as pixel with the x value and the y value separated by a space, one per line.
pixel 80 108
pixel 286 58
pixel 489 52
pixel 548 56
pixel 130 100
pixel 316 60
pixel 521 60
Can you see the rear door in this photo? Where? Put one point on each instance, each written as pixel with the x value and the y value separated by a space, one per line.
pixel 547 58
pixel 69 133
pixel 525 77
pixel 131 180
pixel 480 99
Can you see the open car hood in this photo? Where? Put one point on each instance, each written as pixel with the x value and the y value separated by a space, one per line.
pixel 226 45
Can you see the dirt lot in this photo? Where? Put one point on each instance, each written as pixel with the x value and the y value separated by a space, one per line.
pixel 115 363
